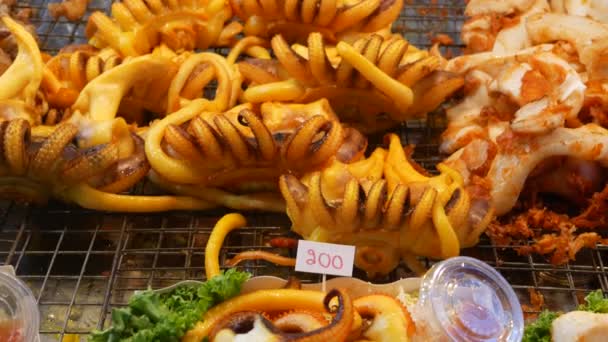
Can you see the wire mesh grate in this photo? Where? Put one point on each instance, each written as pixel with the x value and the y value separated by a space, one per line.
pixel 80 264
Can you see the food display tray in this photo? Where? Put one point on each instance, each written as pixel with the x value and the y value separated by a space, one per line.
pixel 80 264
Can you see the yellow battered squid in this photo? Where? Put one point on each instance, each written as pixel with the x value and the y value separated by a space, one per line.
pixel 296 314
pixel 335 19
pixel 388 209
pixel 235 157
pixel 136 27
pixel 374 83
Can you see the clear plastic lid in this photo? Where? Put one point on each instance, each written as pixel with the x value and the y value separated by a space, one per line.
pixel 465 299
pixel 19 316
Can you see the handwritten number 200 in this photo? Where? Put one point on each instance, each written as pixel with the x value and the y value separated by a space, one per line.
pixel 324 260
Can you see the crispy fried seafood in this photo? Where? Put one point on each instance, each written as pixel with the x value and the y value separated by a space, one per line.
pixel 364 81
pixel 199 150
pixel 556 236
pixel 387 209
pixel 333 19
pixel 137 26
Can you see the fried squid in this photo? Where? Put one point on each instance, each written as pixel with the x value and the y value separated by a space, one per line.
pixel 136 27
pixel 335 20
pixel 202 152
pixel 364 82
pixel 34 168
pixel 388 209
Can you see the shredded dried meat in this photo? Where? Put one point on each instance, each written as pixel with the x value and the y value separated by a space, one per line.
pixel 557 236
pixel 537 301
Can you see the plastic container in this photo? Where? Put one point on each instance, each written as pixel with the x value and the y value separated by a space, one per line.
pixel 19 315
pixel 464 299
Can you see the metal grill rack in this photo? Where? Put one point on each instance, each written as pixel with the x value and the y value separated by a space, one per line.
pixel 80 264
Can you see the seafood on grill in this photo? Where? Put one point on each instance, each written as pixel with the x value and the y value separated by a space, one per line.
pixel 334 20
pixel 594 9
pixel 34 168
pixel 578 31
pixel 209 151
pixel 532 91
pixel 388 209
pixel 136 27
pixel 499 26
pixel 291 312
pixel 519 110
pixel 365 82
pixel 185 78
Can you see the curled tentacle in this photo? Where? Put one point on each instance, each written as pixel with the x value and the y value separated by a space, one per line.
pixel 363 82
pixel 386 208
pixel 137 26
pixel 249 324
pixel 195 73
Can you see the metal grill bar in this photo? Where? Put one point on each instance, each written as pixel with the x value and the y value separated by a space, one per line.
pixel 81 264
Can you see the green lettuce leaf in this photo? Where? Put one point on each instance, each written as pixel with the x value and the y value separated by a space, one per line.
pixel 167 317
pixel 540 330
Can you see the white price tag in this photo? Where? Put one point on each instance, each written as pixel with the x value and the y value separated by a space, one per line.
pixel 325 258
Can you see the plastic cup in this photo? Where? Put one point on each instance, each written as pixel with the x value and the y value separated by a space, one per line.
pixel 19 315
pixel 464 299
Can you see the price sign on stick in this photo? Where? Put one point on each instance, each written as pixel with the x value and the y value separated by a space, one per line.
pixel 325 258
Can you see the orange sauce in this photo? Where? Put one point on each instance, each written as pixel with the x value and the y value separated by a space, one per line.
pixel 10 331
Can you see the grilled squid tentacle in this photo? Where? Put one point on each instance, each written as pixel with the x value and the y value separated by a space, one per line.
pixel 35 168
pixel 22 78
pixel 269 300
pixel 14 145
pixel 257 255
pixel 337 330
pixel 212 251
pixel 91 198
pixel 392 88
